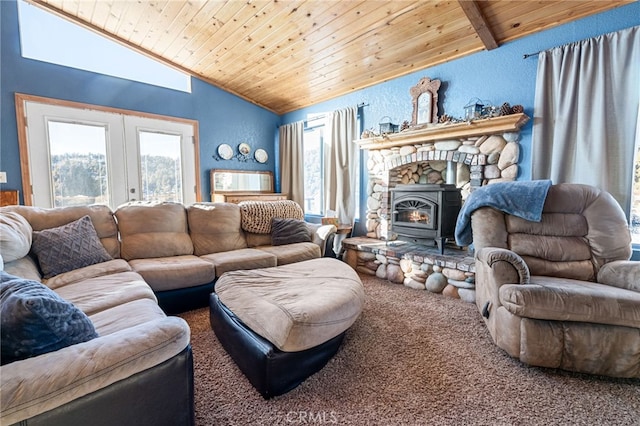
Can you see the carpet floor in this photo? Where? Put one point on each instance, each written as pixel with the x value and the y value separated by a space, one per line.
pixel 412 358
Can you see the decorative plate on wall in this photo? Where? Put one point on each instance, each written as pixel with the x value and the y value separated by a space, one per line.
pixel 244 149
pixel 225 152
pixel 261 156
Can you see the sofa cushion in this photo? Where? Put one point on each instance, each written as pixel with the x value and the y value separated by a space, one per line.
pixel 35 320
pixel 240 259
pixel 92 271
pixel 126 315
pixel 292 253
pixel 257 240
pixel 150 230
pixel 257 215
pixel 563 299
pixel 170 273
pixel 15 236
pixel 215 227
pixel 289 231
pixel 68 247
pixel 103 292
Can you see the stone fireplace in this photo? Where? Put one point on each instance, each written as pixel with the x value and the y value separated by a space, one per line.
pixel 465 155
pixel 457 158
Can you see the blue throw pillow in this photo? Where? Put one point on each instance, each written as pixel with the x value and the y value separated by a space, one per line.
pixel 35 320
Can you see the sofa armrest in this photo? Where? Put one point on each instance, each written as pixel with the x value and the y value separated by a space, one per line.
pixel 621 273
pixel 320 234
pixel 39 384
pixel 25 267
pixel 494 268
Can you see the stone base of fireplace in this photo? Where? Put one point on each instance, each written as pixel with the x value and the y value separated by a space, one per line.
pixel 451 273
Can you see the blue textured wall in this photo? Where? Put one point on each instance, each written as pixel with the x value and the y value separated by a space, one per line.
pixel 500 75
pixel 222 117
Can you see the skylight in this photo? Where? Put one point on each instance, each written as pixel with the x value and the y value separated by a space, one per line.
pixel 49 38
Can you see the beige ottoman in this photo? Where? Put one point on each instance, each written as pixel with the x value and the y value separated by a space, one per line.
pixel 282 324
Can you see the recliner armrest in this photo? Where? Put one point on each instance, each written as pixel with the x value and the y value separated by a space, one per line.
pixel 621 273
pixel 494 268
pixel 497 258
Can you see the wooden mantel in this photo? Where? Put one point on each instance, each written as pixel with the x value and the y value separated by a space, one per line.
pixel 487 126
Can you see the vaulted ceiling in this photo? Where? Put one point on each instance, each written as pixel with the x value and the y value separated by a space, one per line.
pixel 288 54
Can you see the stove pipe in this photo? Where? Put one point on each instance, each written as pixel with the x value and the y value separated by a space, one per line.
pixel 452 171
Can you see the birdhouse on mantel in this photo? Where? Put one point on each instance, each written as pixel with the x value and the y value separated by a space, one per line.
pixel 473 110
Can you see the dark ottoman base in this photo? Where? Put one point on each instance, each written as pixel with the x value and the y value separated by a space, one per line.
pixel 271 371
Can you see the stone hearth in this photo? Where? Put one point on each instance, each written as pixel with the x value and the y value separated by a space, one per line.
pixel 416 266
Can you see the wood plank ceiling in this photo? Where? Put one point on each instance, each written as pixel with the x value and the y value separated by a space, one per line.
pixel 289 54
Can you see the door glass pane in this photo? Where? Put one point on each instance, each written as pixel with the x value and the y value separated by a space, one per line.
pixel 160 166
pixel 312 146
pixel 78 164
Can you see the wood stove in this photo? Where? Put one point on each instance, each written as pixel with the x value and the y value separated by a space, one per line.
pixel 425 214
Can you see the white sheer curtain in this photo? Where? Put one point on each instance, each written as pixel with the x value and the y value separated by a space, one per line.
pixel 585 113
pixel 341 156
pixel 291 161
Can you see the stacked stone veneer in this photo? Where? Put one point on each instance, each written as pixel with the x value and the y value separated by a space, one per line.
pixel 480 160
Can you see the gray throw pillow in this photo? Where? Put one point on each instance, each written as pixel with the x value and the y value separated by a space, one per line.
pixel 35 320
pixel 68 247
pixel 289 231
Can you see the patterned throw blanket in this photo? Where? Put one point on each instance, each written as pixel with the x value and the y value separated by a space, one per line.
pixel 257 215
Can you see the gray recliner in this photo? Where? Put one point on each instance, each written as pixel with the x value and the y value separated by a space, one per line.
pixel 562 292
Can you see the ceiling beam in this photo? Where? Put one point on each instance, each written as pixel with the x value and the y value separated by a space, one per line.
pixel 479 24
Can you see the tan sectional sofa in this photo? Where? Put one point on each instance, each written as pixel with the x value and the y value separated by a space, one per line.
pixel 165 258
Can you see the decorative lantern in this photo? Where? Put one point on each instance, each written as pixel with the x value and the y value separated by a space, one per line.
pixel 473 110
pixel 386 126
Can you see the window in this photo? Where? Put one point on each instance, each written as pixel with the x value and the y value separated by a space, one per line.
pixel 314 166
pixel 49 38
pixel 81 154
pixel 313 171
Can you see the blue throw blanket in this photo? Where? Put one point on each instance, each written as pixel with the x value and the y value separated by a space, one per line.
pixel 524 199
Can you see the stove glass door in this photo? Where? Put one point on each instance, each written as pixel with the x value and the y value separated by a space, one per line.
pixel 415 213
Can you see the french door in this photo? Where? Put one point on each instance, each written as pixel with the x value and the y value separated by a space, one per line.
pixel 80 156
